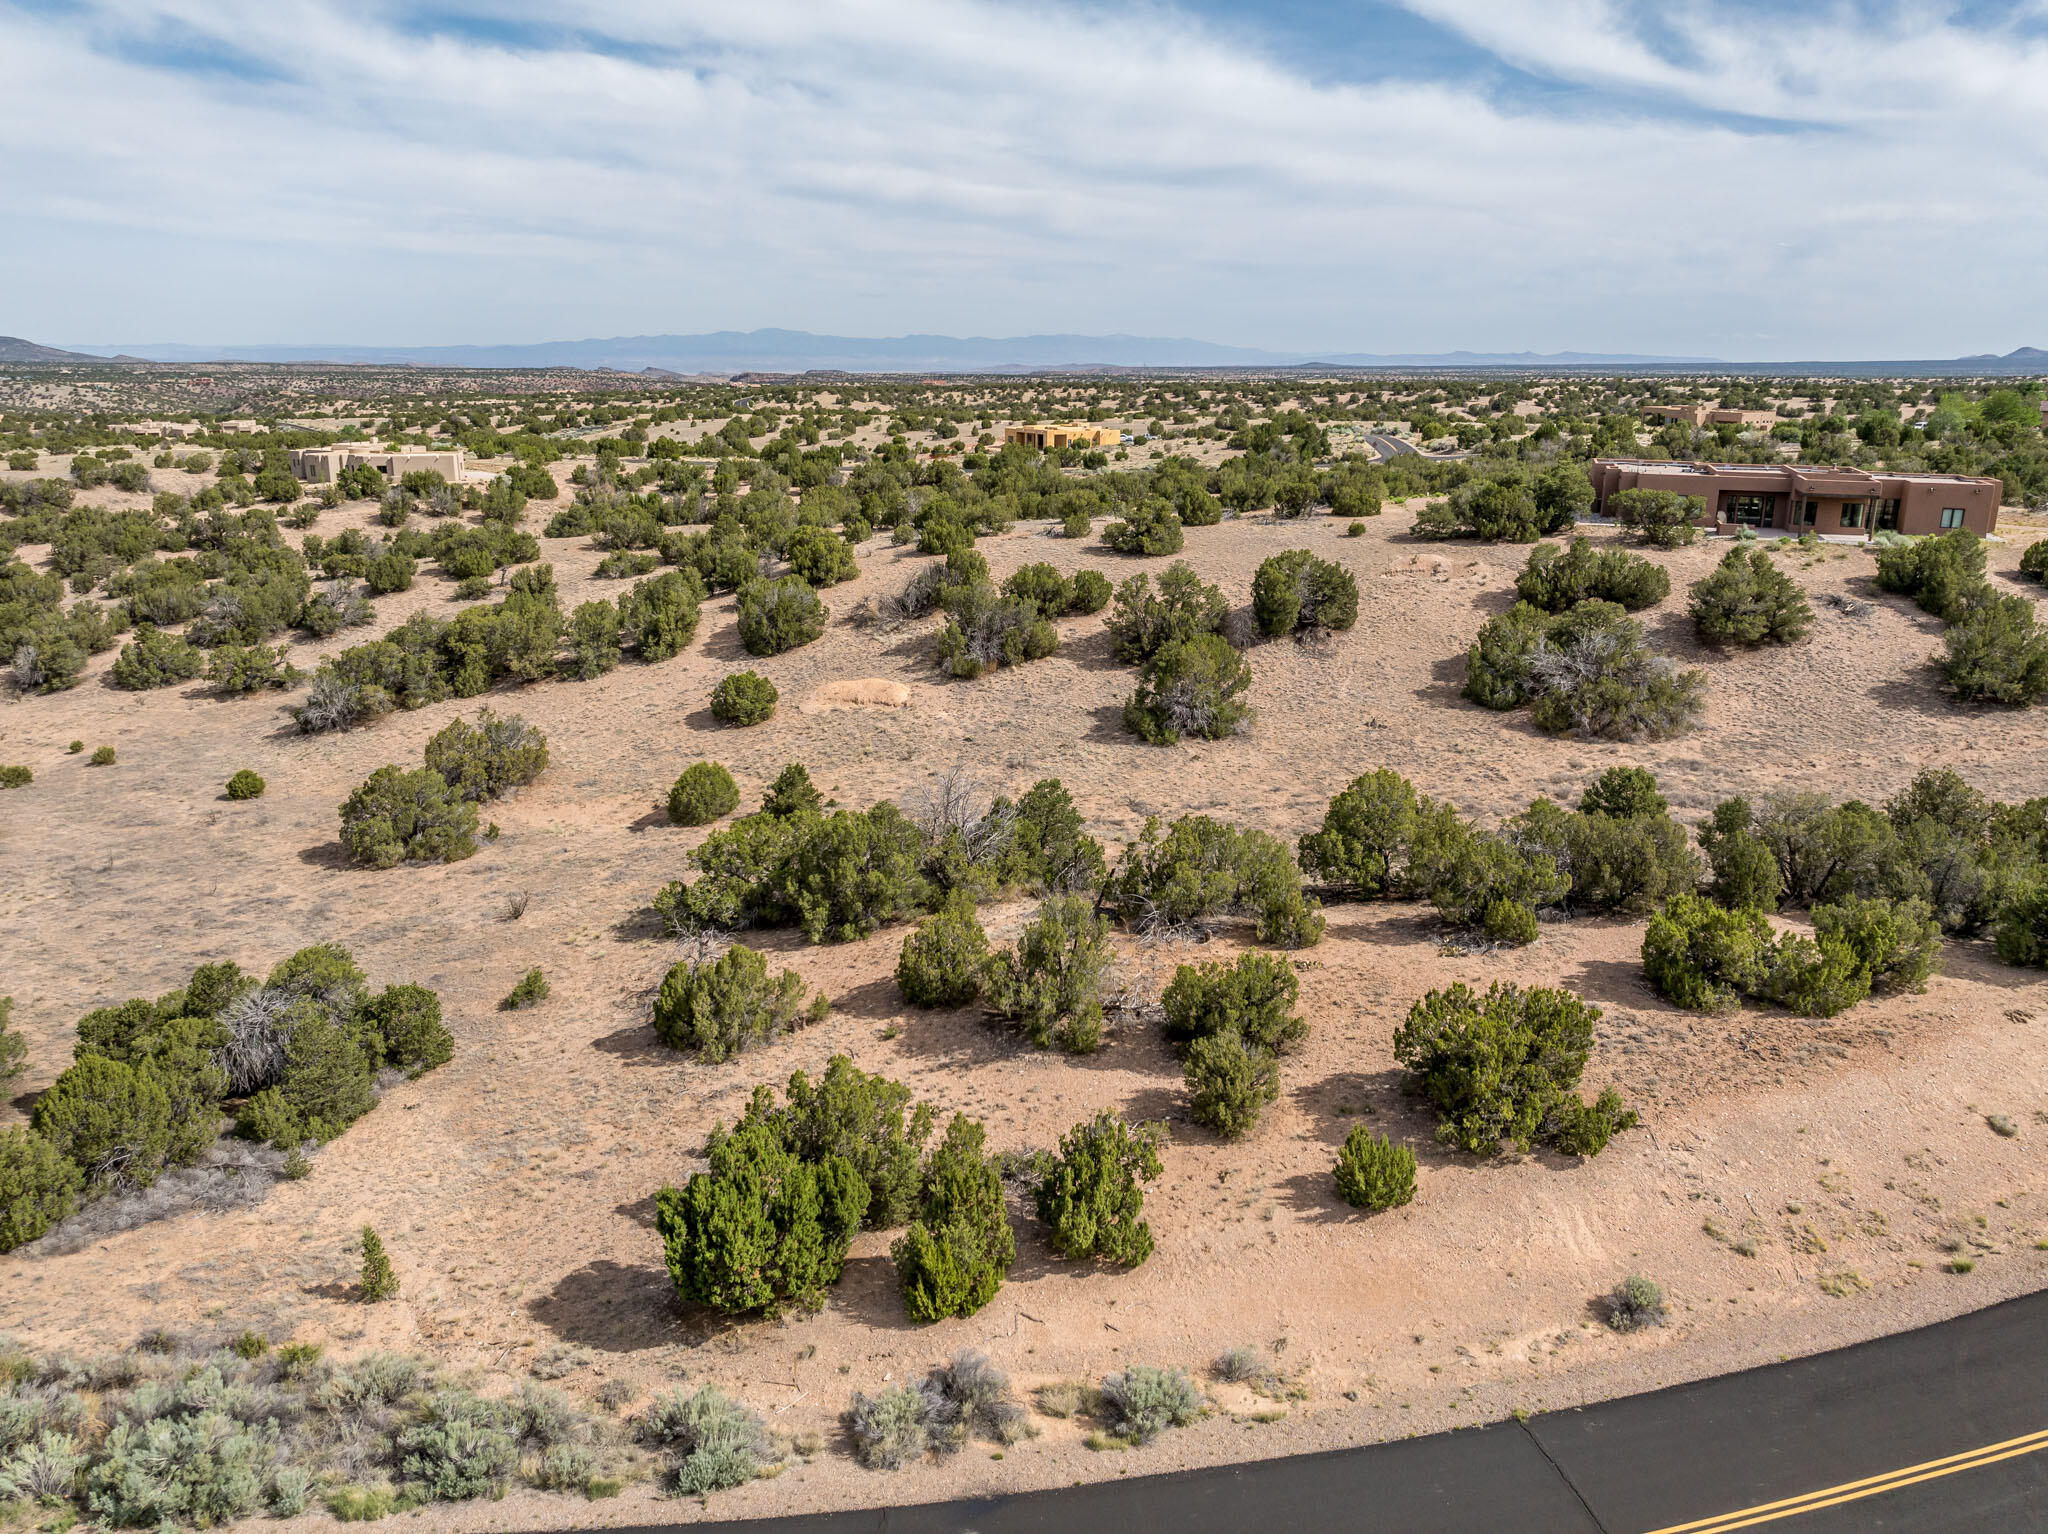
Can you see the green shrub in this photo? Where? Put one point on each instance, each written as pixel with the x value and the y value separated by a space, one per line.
pixel 1496 509
pixel 1051 985
pixel 389 571
pixel 743 698
pixel 594 642
pixel 1556 580
pixel 1253 998
pixel 719 1008
pixel 955 1255
pixel 779 615
pixel 377 1280
pixel 659 615
pixel 984 631
pixel 490 759
pixel 1141 624
pixel 1374 1173
pixel 862 1119
pixel 194 1470
pixel 852 872
pixel 888 1429
pixel 1995 652
pixel 1634 1303
pixel 1748 600
pixel 1661 518
pixel 1944 575
pixel 717 1442
pixel 13 1047
pixel 1587 671
pixel 1296 592
pixel 402 1028
pixel 245 785
pixel 1897 942
pixel 154 658
pixel 531 990
pixel 1612 863
pixel 1815 979
pixel 761 1227
pixel 943 961
pixel 1704 956
pixel 1365 833
pixel 1089 1194
pixel 792 793
pixel 39 1186
pixel 110 1120
pixel 1050 592
pixel 1049 849
pixel 1824 851
pixel 1142 1402
pixel 1200 869
pixel 1497 1068
pixel 460 1449
pixel 16 777
pixel 1579 1128
pixel 1230 1081
pixel 1152 528
pixel 407 817
pixel 1190 688
pixel 2021 935
pixel 1091 592
pixel 2035 561
pixel 821 558
pixel 237 669
pixel 704 792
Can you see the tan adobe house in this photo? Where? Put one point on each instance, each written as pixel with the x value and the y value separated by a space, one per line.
pixel 1803 498
pixel 1052 438
pixel 324 465
pixel 1711 415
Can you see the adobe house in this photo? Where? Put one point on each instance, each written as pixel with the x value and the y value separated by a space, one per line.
pixel 1801 498
pixel 324 465
pixel 1711 415
pixel 1052 438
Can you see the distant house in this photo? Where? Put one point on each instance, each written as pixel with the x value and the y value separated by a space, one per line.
pixel 1801 498
pixel 1711 415
pixel 324 465
pixel 1050 438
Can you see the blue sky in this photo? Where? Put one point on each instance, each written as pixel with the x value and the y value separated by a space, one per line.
pixel 1745 180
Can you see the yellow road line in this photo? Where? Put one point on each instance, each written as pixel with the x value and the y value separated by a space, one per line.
pixel 1869 1486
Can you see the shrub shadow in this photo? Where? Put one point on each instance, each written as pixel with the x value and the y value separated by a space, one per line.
pixel 1091 651
pixel 326 855
pixel 1614 983
pixel 616 1308
pixel 1106 724
pixel 655 817
pixel 640 1211
pixel 1446 687
pixel 1919 694
pixel 722 644
pixel 880 999
pixel 867 1292
pixel 636 1045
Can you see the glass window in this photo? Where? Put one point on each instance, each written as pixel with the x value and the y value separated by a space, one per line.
pixel 1852 513
pixel 1887 515
pixel 1811 512
pixel 1952 516
pixel 1754 510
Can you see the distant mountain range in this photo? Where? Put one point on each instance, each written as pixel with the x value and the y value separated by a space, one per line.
pixel 727 352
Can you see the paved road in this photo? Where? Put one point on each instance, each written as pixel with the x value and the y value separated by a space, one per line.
pixel 1944 1428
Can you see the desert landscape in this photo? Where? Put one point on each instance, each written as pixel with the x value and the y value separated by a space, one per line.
pixel 1795 1181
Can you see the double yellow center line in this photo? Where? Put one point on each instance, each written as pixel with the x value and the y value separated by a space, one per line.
pixel 1869 1486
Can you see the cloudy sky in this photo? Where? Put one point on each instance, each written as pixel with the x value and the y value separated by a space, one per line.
pixel 1699 177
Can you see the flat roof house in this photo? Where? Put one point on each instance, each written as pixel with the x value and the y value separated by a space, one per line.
pixel 324 465
pixel 1711 415
pixel 1803 498
pixel 1051 438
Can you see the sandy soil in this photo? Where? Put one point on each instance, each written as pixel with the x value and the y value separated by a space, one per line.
pixel 514 1186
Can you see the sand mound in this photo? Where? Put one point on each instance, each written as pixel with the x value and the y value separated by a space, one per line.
pixel 863 692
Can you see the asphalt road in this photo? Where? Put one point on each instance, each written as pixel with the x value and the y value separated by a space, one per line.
pixel 1945 1428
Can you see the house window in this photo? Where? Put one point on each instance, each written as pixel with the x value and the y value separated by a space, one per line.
pixel 1753 510
pixel 1887 515
pixel 1852 513
pixel 1810 513
pixel 1951 516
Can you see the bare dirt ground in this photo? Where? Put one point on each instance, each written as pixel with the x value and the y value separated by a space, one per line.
pixel 514 1186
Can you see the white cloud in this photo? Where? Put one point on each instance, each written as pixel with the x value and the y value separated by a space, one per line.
pixel 971 166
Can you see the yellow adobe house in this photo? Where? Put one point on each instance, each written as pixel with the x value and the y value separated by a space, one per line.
pixel 1070 434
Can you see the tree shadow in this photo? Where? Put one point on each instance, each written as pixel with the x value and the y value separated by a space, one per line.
pixel 641 924
pixel 1335 1103
pixel 655 817
pixel 962 1037
pixel 1106 724
pixel 1446 686
pixel 616 1308
pixel 1163 1104
pixel 879 999
pixel 640 1211
pixel 1614 983
pixel 326 855
pixel 868 1292
pixel 635 1044
pixel 722 644
pixel 1092 651
pixel 1918 695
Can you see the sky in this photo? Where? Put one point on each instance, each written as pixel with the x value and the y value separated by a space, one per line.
pixel 1728 178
